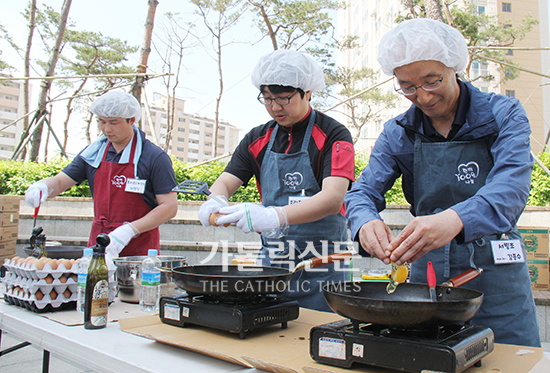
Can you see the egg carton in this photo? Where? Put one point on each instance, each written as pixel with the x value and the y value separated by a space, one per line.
pixel 32 271
pixel 46 303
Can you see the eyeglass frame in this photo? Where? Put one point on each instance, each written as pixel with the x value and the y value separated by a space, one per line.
pixel 260 98
pixel 400 90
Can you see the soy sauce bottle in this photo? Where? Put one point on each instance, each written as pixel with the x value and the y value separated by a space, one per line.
pixel 97 287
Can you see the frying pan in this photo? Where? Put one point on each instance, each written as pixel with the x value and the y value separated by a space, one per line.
pixel 238 281
pixel 410 306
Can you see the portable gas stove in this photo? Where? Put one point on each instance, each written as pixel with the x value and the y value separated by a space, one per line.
pixel 235 316
pixel 450 349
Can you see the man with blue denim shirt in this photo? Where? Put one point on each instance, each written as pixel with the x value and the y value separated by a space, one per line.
pixel 465 160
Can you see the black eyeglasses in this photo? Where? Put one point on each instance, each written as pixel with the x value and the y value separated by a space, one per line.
pixel 280 100
pixel 408 91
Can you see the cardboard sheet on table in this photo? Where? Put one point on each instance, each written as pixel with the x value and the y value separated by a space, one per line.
pixel 543 366
pixel 287 350
pixel 117 311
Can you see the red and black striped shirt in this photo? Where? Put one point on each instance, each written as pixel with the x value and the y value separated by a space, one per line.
pixel 330 150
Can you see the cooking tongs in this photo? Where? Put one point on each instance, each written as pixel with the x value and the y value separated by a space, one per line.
pixel 197 187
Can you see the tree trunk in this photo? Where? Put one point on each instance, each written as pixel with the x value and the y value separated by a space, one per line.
pixel 26 72
pixel 448 13
pixel 218 99
pixel 433 10
pixel 145 49
pixel 70 111
pixel 169 116
pixel 265 17
pixel 88 125
pixel 46 84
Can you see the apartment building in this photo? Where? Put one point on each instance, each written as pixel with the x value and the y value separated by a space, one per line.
pixel 192 136
pixel 369 20
pixel 11 104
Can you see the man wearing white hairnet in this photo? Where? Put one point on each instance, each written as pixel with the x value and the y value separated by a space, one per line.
pixel 465 161
pixel 303 161
pixel 130 178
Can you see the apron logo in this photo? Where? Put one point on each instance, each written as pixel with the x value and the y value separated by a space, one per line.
pixel 293 180
pixel 468 172
pixel 119 181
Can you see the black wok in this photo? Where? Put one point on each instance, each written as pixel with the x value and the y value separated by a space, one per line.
pixel 238 281
pixel 410 306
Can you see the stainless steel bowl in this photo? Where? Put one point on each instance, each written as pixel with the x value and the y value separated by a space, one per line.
pixel 128 274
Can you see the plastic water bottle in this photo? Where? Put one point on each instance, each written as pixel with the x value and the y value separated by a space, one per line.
pixel 83 265
pixel 150 282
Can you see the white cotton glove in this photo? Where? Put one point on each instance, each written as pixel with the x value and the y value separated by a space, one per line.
pixel 120 237
pixel 250 217
pixel 32 195
pixel 208 208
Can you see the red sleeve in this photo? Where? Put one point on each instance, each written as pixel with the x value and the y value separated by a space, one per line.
pixel 343 160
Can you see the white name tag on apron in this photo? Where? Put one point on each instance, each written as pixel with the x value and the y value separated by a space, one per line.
pixel 507 251
pixel 135 186
pixel 293 200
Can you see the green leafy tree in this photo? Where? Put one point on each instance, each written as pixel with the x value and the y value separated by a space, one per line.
pixel 480 30
pixel 84 53
pixel 91 53
pixel 540 183
pixel 294 23
pixel 360 107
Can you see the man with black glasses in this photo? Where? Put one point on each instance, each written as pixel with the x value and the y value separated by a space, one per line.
pixel 303 162
pixel 465 161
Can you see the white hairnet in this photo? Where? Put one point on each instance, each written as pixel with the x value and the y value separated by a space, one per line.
pixel 289 68
pixel 116 104
pixel 422 39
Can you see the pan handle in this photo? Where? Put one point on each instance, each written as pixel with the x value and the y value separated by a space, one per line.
pixel 163 269
pixel 463 278
pixel 324 260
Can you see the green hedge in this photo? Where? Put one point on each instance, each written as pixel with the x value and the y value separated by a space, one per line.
pixel 16 177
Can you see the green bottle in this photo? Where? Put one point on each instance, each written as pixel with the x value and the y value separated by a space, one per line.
pixel 97 287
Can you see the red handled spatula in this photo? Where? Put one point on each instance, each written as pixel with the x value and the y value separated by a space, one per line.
pixel 36 209
pixel 432 281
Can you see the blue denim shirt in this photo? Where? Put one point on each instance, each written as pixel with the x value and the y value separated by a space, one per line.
pixel 496 207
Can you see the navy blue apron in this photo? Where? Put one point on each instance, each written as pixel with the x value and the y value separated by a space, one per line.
pixel 282 177
pixel 446 173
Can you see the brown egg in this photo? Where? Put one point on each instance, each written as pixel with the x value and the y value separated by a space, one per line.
pixel 213 218
pixel 66 262
pixel 48 279
pixel 74 276
pixel 53 294
pixel 39 295
pixel 20 261
pixel 15 259
pixel 45 259
pixel 39 265
pixel 63 279
pixel 67 293
pixel 53 263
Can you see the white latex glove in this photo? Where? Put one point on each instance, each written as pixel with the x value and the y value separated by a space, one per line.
pixel 120 237
pixel 209 207
pixel 32 195
pixel 250 217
